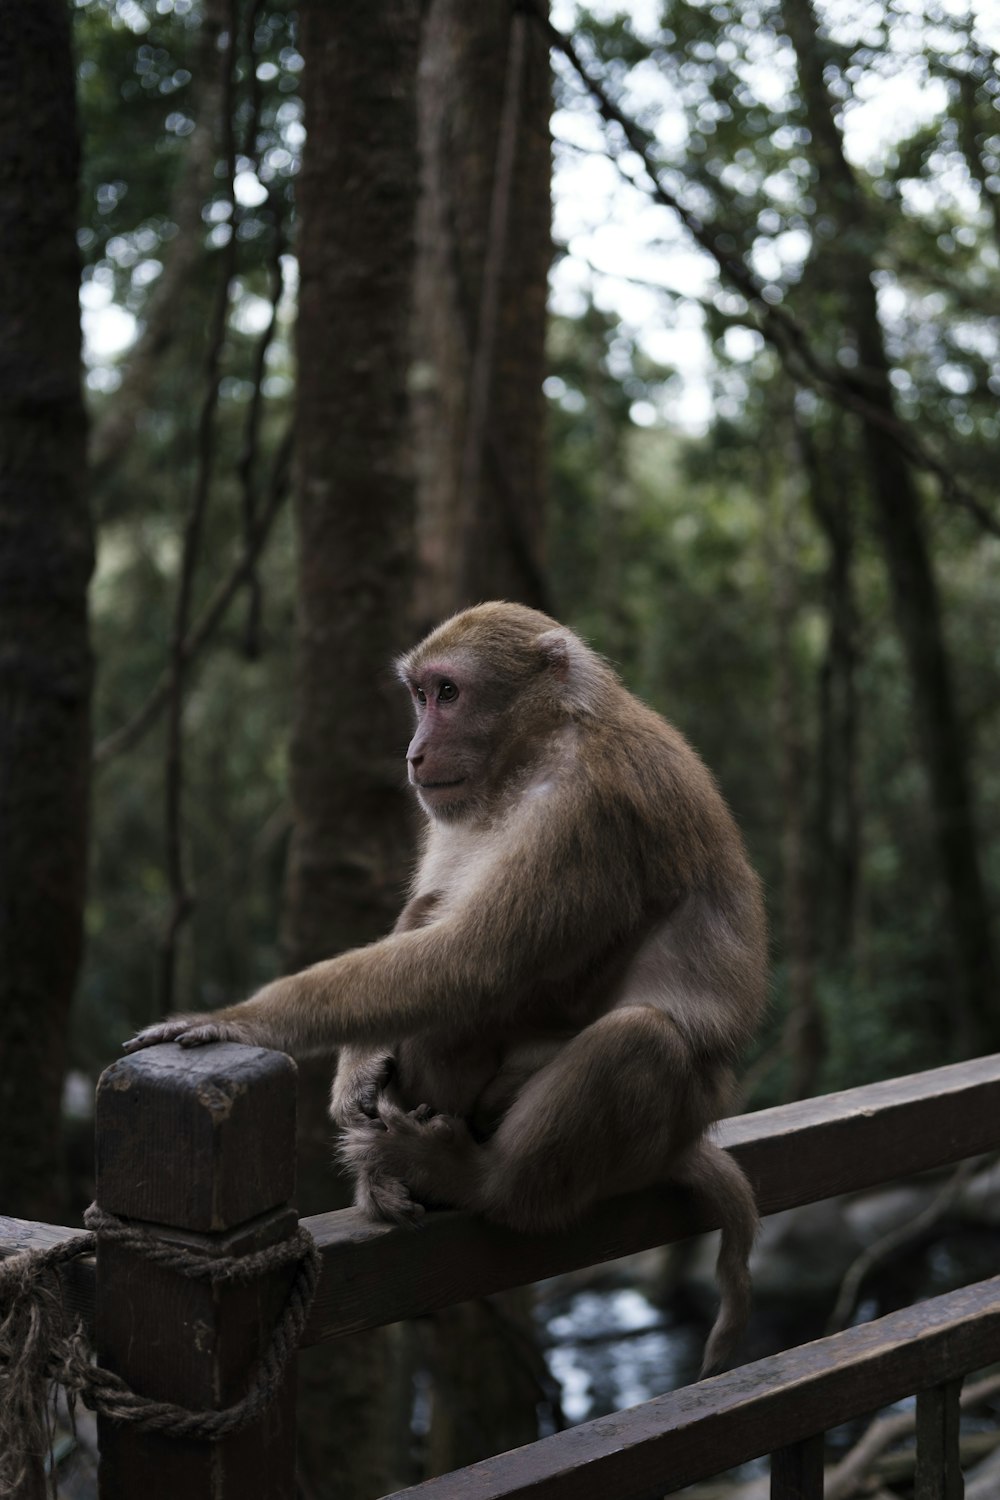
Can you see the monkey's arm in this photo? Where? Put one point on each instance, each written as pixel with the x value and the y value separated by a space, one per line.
pixel 543 906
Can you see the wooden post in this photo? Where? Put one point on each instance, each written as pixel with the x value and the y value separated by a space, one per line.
pixel 797 1471
pixel 939 1473
pixel 198 1146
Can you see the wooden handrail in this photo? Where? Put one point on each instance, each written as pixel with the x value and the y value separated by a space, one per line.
pixel 797 1153
pixel 703 1429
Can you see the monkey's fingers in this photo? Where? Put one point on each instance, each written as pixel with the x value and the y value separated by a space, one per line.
pixel 163 1031
pixel 215 1031
pixel 388 1199
pixel 188 1031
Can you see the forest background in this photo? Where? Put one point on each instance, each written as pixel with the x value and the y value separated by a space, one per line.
pixel 736 420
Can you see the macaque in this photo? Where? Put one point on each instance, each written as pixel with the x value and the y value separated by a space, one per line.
pixel 556 1015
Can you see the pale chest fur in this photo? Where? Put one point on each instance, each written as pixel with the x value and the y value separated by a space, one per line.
pixel 457 858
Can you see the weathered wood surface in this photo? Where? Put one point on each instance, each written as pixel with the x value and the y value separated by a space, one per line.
pixel 798 1153
pixel 773 1404
pixel 200 1146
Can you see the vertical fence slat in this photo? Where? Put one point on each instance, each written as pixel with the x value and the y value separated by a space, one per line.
pixel 939 1473
pixel 198 1146
pixel 797 1471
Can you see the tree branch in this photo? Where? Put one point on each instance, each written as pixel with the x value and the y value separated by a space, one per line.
pixel 204 628
pixel 896 1240
pixel 775 322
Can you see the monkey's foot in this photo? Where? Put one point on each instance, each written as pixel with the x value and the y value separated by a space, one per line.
pixel 382 1197
pixel 377 1191
pixel 403 1160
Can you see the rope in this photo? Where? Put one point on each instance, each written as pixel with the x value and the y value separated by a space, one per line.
pixel 40 1349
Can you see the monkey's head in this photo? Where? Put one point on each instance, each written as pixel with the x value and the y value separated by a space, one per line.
pixel 490 687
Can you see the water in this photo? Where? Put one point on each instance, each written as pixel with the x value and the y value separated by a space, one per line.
pixel 612 1348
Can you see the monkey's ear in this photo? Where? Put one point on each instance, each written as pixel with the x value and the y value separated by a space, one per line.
pixel 574 667
pixel 556 648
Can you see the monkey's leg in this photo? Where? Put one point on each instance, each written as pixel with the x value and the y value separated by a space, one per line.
pixel 624 1106
pixel 609 1113
pixel 619 1108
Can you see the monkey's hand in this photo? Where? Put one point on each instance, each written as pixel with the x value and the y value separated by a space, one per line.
pixel 363 1078
pixel 189 1031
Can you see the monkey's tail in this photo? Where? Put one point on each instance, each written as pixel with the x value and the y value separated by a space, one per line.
pixel 713 1173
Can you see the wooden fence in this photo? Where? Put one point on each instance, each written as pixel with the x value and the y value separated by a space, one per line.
pixel 198 1146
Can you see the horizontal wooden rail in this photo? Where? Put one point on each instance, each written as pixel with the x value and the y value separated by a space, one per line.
pixel 798 1153
pixel 703 1429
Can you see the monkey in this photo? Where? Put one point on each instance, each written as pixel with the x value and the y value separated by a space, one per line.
pixel 556 1015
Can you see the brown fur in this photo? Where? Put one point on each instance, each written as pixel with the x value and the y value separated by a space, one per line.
pixel 555 1017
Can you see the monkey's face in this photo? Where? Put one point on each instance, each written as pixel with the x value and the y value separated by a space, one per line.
pixel 450 761
pixel 486 690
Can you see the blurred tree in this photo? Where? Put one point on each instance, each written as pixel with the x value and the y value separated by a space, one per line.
pixel 485 248
pixel 483 254
pixel 354 508
pixel 45 565
pixel 845 220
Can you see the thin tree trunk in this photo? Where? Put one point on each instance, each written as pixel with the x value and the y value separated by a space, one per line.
pixel 916 602
pixel 838 818
pixel 484 253
pixel 46 556
pixel 112 435
pixel 804 1039
pixel 354 497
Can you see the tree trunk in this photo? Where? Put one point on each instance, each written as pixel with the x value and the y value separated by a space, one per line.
pixel 45 565
pixel 942 737
pixel 804 1032
pixel 355 522
pixel 837 832
pixel 484 248
pixel 484 253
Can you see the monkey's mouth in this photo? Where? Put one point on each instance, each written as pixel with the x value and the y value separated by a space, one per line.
pixel 438 786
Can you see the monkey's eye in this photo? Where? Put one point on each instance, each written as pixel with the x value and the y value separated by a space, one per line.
pixel 447 692
pixel 420 696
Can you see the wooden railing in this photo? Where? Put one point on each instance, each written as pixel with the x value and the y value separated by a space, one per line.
pixel 199 1147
